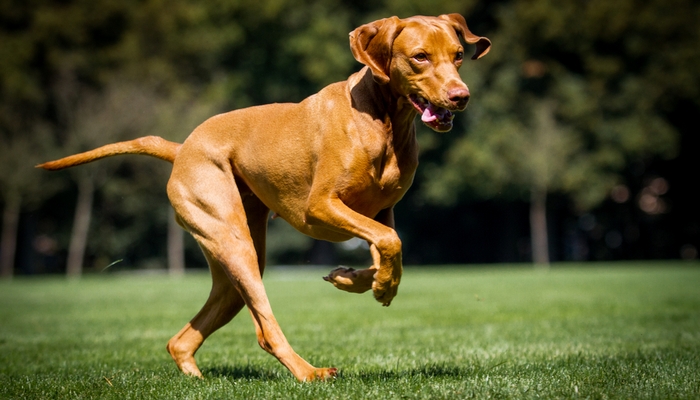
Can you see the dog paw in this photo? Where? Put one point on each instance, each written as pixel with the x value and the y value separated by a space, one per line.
pixel 322 374
pixel 350 279
pixel 384 292
pixel 184 361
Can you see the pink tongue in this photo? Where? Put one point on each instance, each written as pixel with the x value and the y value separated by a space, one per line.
pixel 428 115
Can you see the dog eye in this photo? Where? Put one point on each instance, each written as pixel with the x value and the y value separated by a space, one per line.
pixel 459 56
pixel 421 57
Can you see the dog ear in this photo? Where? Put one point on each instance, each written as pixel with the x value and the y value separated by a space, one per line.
pixel 483 45
pixel 371 45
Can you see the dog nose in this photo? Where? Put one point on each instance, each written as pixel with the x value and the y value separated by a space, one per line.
pixel 459 96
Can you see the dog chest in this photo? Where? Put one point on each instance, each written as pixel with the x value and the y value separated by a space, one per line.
pixel 383 182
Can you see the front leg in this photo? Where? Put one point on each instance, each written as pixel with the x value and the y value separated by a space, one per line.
pixel 384 275
pixel 387 279
pixel 352 280
pixel 360 281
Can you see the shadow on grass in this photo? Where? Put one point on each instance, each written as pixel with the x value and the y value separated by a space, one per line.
pixel 434 370
pixel 247 372
pixel 426 371
pixel 250 372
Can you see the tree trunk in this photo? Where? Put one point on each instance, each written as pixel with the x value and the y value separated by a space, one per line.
pixel 176 246
pixel 81 226
pixel 8 240
pixel 538 227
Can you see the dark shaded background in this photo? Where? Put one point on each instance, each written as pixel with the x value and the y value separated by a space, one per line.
pixel 65 65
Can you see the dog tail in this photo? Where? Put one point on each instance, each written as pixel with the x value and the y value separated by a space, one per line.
pixel 153 146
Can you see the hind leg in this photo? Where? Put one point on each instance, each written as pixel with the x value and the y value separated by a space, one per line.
pixel 223 304
pixel 224 300
pixel 210 205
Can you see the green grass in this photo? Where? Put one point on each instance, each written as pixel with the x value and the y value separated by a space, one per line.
pixel 576 331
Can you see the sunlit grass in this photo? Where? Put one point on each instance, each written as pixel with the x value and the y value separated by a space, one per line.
pixel 598 330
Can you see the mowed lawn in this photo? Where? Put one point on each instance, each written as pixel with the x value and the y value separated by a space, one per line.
pixel 622 330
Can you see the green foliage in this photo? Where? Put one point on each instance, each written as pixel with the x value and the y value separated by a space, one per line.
pixel 589 331
pixel 18 177
pixel 568 97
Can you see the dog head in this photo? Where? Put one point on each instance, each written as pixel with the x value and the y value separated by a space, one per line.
pixel 419 58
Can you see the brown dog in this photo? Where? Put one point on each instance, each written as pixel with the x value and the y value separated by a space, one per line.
pixel 333 166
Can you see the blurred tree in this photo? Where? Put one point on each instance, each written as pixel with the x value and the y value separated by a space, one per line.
pixel 570 94
pixel 21 186
pixel 63 64
pixel 118 112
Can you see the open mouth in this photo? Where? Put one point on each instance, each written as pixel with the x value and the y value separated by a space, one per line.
pixel 435 117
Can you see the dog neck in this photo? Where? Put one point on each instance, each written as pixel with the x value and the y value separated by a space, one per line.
pixel 381 102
